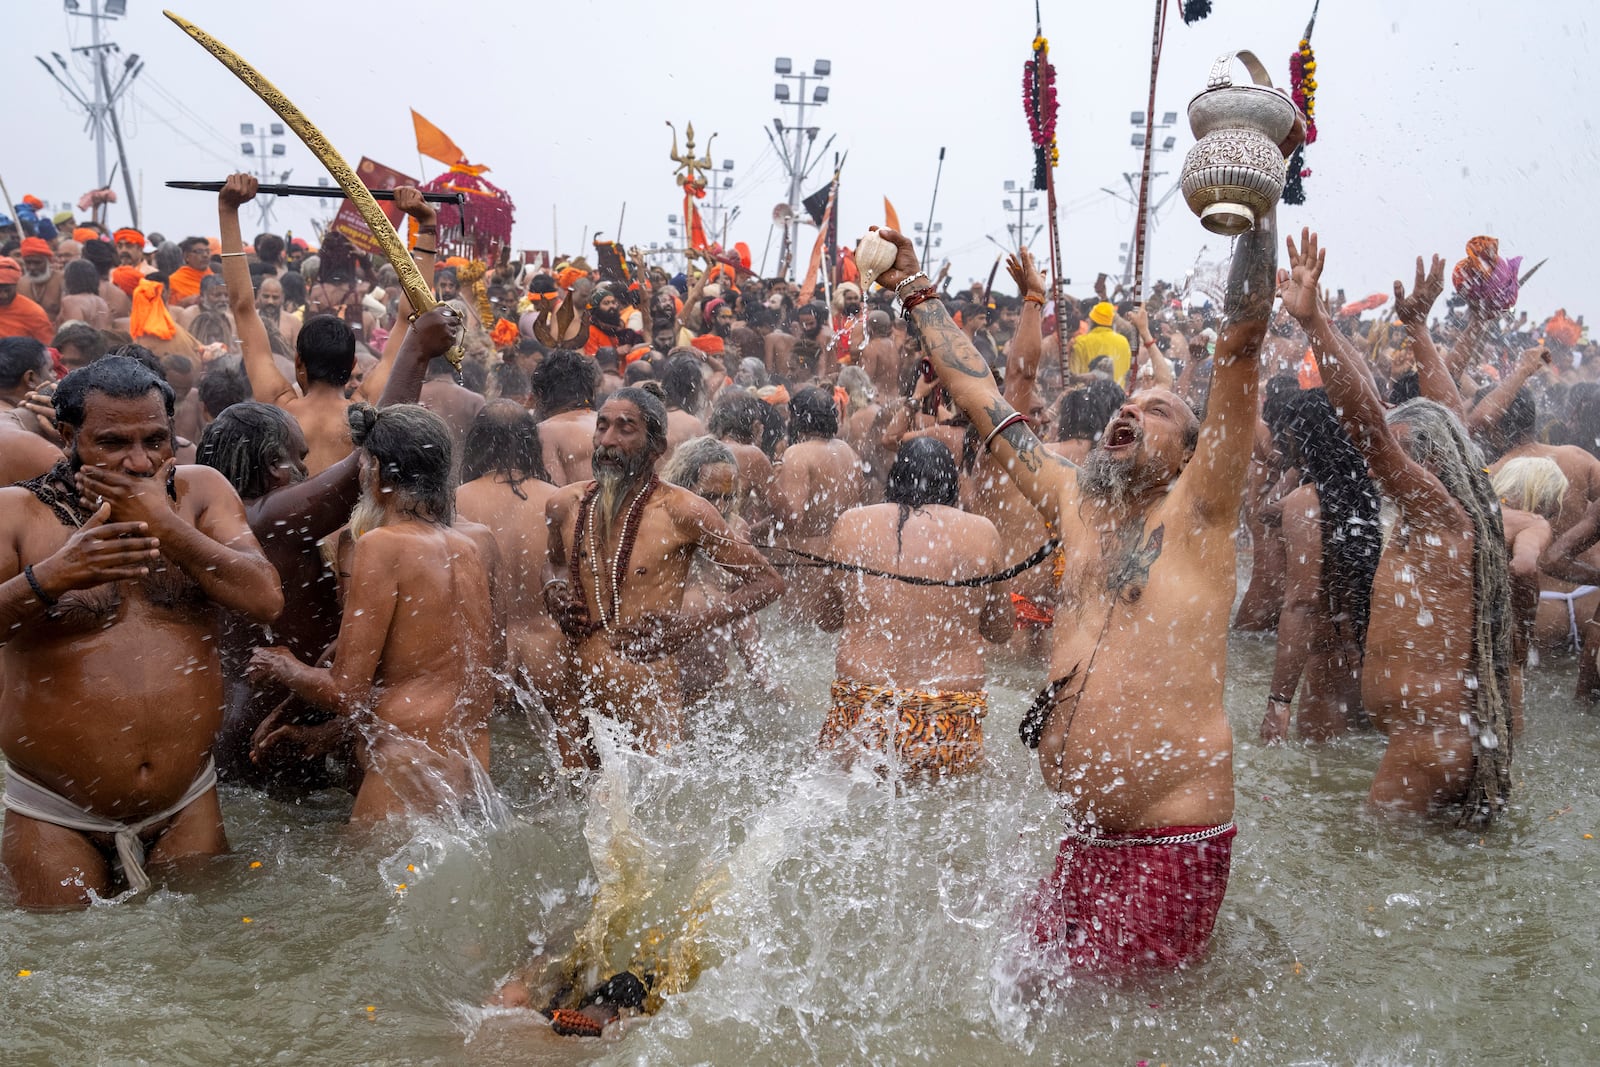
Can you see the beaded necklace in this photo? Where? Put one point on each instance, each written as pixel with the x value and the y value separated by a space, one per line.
pixel 585 531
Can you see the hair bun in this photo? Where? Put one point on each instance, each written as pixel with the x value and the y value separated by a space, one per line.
pixel 655 389
pixel 363 417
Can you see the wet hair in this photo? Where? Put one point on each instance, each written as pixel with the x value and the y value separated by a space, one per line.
pixel 294 287
pixel 1583 417
pixel 18 356
pixel 269 249
pixel 326 348
pixel 1352 539
pixel 413 450
pixel 684 383
pixel 736 414
pixel 1404 388
pixel 512 381
pixel 756 369
pixel 244 443
pixel 1531 483
pixel 692 457
pixel 504 440
pixel 854 381
pixel 101 255
pixel 169 257
pixel 1084 414
pixel 653 410
pixel 1276 394
pixel 80 277
pixel 118 376
pixel 564 380
pixel 211 327
pixel 221 387
pixel 1439 442
pixel 1516 422
pixel 812 414
pixel 773 429
pixel 80 335
pixel 924 472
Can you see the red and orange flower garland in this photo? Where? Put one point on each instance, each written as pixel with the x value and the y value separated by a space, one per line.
pixel 1039 101
pixel 1303 88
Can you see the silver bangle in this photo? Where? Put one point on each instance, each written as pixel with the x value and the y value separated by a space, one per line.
pixel 899 289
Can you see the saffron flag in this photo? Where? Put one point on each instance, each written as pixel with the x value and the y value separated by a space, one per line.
pixel 691 216
pixel 891 219
pixel 434 142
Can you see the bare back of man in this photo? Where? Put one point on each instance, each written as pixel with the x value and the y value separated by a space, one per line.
pixel 455 404
pixel 535 648
pixel 1552 627
pixel 817 481
pixel 568 440
pixel 323 418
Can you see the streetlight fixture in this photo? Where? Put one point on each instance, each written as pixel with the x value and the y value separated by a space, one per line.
pixel 799 154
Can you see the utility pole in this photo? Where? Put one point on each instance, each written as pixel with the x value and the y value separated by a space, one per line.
pixel 267 144
pixel 801 156
pixel 716 209
pixel 1021 206
pixel 1144 140
pixel 100 104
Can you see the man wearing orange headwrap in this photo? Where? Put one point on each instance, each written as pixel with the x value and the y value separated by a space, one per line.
pixel 41 282
pixel 130 247
pixel 185 281
pixel 20 316
pixel 152 325
pixel 84 234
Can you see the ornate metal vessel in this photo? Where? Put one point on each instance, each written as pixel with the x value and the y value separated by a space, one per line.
pixel 1235 172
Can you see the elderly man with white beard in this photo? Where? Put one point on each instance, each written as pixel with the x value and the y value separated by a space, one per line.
pixel 620 549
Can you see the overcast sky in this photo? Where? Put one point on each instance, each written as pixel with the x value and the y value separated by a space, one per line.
pixel 1438 119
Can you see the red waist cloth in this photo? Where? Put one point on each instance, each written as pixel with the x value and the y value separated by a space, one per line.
pixel 1118 907
pixel 1031 613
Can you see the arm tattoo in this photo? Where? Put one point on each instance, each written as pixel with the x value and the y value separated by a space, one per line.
pixel 1031 452
pixel 944 341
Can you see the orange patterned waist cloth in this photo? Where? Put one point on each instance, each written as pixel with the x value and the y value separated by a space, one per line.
pixel 923 732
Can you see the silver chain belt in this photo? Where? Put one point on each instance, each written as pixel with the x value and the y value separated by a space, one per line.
pixel 1128 842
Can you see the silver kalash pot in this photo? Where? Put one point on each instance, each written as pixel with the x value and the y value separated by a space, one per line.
pixel 1235 172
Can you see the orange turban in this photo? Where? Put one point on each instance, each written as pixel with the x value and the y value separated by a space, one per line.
pixel 641 352
pixel 35 246
pixel 1563 330
pixel 710 344
pixel 567 277
pixel 83 234
pixel 126 278
pixel 150 315
pixel 774 395
pixel 32 201
pixel 130 236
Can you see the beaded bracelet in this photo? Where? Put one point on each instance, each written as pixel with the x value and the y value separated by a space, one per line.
pixel 908 279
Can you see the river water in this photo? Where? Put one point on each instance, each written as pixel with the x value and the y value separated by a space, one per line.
pixel 841 921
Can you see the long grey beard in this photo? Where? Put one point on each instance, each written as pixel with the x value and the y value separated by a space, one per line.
pixel 614 487
pixel 37 279
pixel 367 515
pixel 1110 481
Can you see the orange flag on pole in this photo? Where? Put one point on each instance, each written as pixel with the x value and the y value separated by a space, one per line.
pixel 890 217
pixel 434 142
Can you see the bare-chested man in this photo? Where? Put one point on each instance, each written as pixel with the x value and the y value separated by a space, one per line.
pixel 261 450
pixel 684 385
pixel 909 672
pixel 111 564
pixel 620 549
pixel 818 479
pixel 736 422
pixel 416 641
pixel 564 385
pixel 1132 733
pixel 880 356
pixel 1438 653
pixel 505 487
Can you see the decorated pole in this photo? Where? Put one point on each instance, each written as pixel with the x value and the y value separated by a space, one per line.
pixel 394 250
pixel 1303 90
pixel 1142 219
pixel 1039 100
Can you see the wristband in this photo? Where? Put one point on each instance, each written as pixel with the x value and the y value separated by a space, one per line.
pixel 913 299
pixel 1277 699
pixel 1034 298
pixel 431 228
pixel 908 279
pixel 1014 417
pixel 426 251
pixel 38 590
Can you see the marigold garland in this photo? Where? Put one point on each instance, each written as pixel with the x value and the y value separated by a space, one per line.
pixel 1303 89
pixel 1039 101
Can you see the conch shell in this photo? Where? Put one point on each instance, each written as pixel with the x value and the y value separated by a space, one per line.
pixel 874 255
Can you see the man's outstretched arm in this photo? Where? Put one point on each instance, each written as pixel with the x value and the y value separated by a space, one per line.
pixel 1215 476
pixel 1039 474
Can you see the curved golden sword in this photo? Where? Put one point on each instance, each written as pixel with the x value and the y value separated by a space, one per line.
pixel 394 250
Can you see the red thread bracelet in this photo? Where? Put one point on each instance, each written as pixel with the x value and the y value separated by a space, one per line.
pixel 915 297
